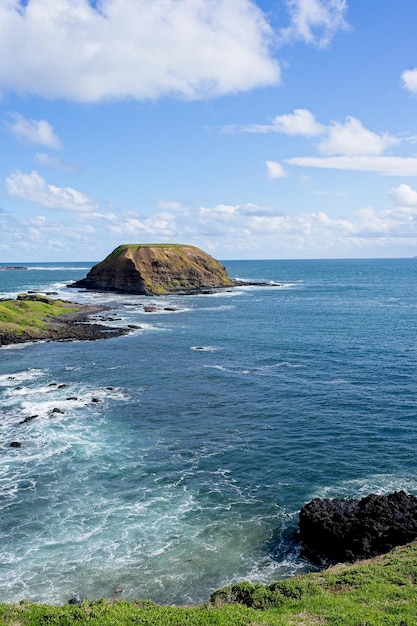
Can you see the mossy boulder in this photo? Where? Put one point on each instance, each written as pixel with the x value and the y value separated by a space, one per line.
pixel 156 269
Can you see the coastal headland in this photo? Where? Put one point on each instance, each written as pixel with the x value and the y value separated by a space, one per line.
pixel 34 317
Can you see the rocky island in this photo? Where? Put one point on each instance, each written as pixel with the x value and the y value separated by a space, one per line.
pixel 156 269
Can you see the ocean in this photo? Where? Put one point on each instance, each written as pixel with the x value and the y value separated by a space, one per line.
pixel 172 461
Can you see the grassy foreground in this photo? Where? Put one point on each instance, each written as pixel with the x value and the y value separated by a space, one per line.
pixel 379 592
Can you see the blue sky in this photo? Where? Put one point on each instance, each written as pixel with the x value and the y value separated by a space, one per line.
pixel 254 129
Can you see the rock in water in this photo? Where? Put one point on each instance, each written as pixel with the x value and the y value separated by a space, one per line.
pixel 156 269
pixel 347 530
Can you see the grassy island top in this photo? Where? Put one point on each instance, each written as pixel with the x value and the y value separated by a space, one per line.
pixel 378 592
pixel 137 246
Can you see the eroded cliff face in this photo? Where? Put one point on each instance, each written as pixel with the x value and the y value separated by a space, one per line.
pixel 156 269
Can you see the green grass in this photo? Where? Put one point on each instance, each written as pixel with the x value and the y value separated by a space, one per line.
pixel 381 592
pixel 136 246
pixel 31 316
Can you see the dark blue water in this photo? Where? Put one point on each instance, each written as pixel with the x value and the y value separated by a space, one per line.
pixel 185 450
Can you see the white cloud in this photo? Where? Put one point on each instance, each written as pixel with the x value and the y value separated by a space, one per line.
pixel 300 122
pixel 409 78
pixel 275 170
pixel 38 132
pixel 346 146
pixel 34 188
pixel 315 21
pixel 387 165
pixel 404 195
pixel 352 138
pixel 348 138
pixel 139 49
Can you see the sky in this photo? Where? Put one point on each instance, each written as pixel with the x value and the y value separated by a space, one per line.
pixel 253 129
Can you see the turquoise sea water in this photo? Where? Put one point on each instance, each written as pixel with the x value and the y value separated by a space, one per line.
pixel 185 450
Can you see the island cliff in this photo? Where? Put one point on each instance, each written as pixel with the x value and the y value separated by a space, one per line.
pixel 156 269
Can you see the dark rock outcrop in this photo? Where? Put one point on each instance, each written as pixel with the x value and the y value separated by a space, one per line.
pixel 346 530
pixel 76 599
pixel 156 269
pixel 28 419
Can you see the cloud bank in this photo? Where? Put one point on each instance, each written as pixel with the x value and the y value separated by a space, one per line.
pixel 95 50
pixel 238 231
pixel 140 49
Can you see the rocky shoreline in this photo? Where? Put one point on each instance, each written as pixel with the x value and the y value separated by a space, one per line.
pixel 72 326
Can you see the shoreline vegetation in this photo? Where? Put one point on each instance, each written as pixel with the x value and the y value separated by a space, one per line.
pixel 376 592
pixel 36 317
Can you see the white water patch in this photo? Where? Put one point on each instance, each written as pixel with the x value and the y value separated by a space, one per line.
pixel 28 406
pixel 43 399
pixel 222 307
pixel 285 364
pixel 101 552
pixel 274 370
pixel 9 295
pixel 205 348
pixel 234 292
pixel 59 268
pixel 220 368
pixel 235 371
pixel 267 569
pixel 11 380
pixel 127 306
pixel 161 310
pixel 271 284
pixel 379 484
pixel 109 536
pixel 53 424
